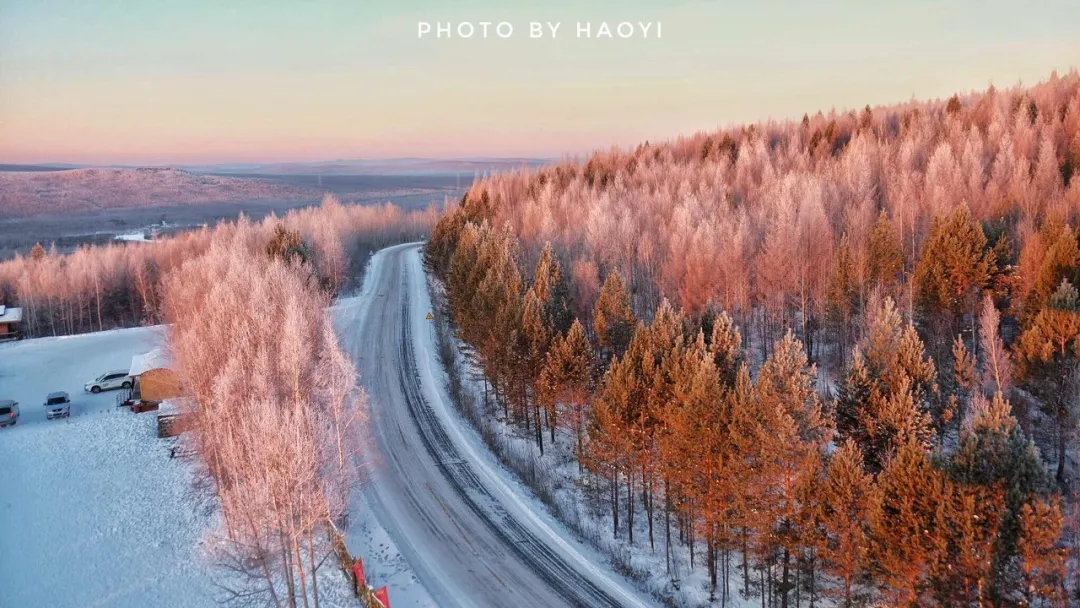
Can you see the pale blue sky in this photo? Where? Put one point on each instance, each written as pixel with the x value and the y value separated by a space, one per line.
pixel 170 81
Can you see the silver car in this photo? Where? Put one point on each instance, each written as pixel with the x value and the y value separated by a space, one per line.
pixel 9 412
pixel 57 405
pixel 118 378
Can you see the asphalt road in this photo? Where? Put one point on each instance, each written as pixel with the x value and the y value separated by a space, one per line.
pixel 465 546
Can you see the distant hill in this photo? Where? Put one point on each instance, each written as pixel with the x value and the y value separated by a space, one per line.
pixel 36 193
pixel 391 166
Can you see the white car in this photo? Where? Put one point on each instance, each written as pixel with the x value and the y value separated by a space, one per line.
pixel 115 379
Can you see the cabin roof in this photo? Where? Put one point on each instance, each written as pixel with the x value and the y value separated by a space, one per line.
pixel 10 314
pixel 145 362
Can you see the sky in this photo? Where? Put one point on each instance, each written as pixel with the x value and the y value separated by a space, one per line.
pixel 208 81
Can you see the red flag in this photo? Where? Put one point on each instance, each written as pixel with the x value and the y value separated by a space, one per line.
pixel 358 570
pixel 383 596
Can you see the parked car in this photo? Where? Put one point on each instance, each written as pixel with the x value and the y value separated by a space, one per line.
pixel 115 379
pixel 9 412
pixel 57 405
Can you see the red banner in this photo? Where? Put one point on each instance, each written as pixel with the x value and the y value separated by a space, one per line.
pixel 383 596
pixel 358 570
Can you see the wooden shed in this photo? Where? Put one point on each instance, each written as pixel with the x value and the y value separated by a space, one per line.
pixel 153 380
pixel 10 323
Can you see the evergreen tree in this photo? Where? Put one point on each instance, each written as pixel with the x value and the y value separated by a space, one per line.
pixel 1048 352
pixel 613 320
pixel 536 344
pixel 886 257
pixel 884 398
pixel 552 290
pixel 288 245
pixel 955 265
pixel 994 457
pixel 849 498
pixel 1060 262
pixel 567 379
pixel 792 437
pixel 1043 563
pixel 904 530
pixel 725 345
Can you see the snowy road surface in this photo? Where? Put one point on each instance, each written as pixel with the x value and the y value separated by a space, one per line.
pixel 469 537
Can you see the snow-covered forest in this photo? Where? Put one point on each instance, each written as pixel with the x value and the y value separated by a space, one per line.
pixel 274 408
pixel 837 358
pixel 120 285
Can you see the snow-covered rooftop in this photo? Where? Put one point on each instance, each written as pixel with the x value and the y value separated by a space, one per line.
pixel 145 362
pixel 10 315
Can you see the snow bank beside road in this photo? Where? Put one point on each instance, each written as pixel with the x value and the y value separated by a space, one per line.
pixel 93 512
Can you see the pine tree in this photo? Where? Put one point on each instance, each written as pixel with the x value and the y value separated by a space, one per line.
pixel 960 387
pixel 904 530
pixel 537 336
pixel 288 245
pixel 954 266
pixel 853 394
pixel 995 457
pixel 1060 262
pixel 552 290
pixel 886 257
pixel 792 437
pixel 613 320
pixel 695 453
pixel 725 345
pixel 883 400
pixel 1043 564
pixel 842 297
pixel 968 525
pixel 849 498
pixel 567 379
pixel 1047 353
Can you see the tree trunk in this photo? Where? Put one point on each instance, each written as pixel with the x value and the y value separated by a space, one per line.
pixel 746 564
pixel 647 480
pixel 1062 435
pixel 615 501
pixel 785 580
pixel 311 561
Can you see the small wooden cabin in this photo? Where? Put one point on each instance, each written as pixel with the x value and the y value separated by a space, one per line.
pixel 10 323
pixel 153 380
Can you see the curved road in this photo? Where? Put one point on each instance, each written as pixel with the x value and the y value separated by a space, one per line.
pixel 449 522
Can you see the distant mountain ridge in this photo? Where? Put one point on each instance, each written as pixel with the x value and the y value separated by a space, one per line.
pixel 43 192
pixel 389 166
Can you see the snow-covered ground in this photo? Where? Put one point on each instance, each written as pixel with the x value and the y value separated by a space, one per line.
pixel 31 369
pixel 93 512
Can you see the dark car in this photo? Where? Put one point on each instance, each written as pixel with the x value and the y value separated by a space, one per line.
pixel 9 412
pixel 57 405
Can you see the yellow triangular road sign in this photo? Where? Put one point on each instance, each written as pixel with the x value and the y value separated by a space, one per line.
pixel 429 317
